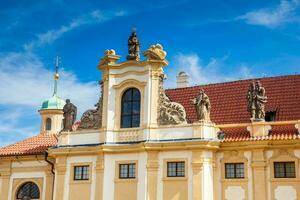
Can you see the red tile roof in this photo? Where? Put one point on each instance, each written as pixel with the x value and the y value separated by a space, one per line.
pixel 30 146
pixel 229 104
pixel 282 132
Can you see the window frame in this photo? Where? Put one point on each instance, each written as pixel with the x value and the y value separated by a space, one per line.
pixel 235 164
pixel 132 101
pixel 176 169
pixel 128 170
pixel 284 169
pixel 31 185
pixel 48 123
pixel 82 172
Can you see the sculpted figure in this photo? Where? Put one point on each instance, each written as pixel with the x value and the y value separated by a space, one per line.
pixel 133 47
pixel 92 119
pixel 70 112
pixel 169 112
pixel 202 105
pixel 256 101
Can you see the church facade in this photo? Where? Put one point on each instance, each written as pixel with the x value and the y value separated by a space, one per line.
pixel 226 141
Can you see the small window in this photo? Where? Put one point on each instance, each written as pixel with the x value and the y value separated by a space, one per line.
pixel 48 124
pixel 176 169
pixel 127 171
pixel 130 108
pixel 81 172
pixel 270 116
pixel 234 170
pixel 284 170
pixel 28 190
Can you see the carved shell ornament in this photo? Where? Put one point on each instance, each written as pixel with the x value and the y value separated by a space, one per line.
pixel 155 52
pixel 110 52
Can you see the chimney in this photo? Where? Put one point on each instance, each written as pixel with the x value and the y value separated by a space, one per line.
pixel 182 80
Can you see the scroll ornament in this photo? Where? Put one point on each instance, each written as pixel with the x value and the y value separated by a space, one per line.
pixel 169 113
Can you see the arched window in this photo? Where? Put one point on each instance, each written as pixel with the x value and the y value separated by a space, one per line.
pixel 28 190
pixel 131 106
pixel 48 124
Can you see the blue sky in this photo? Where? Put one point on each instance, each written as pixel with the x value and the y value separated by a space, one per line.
pixel 214 41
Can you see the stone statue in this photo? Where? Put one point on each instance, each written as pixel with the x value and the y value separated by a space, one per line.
pixel 202 105
pixel 92 119
pixel 169 113
pixel 133 47
pixel 70 112
pixel 256 101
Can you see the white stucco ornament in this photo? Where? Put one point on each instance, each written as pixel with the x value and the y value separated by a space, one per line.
pixel 155 52
pixel 110 52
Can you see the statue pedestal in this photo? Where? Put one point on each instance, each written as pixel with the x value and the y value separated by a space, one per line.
pixel 259 129
pixel 205 130
pixel 298 126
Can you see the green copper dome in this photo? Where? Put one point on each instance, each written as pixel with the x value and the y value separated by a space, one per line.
pixel 54 102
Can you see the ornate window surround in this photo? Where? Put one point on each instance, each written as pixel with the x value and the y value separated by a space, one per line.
pixel 119 91
pixel 283 156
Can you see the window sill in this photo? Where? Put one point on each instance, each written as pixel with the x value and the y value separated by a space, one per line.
pixel 175 178
pixel 130 180
pixel 232 180
pixel 285 180
pixel 80 181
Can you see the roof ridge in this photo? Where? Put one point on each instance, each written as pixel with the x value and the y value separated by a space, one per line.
pixel 235 81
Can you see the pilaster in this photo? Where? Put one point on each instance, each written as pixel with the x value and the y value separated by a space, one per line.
pixel 99 176
pixel 259 175
pixel 61 168
pixel 5 172
pixel 152 170
pixel 197 167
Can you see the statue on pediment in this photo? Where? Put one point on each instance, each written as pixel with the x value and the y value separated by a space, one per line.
pixel 70 112
pixel 202 105
pixel 256 101
pixel 133 47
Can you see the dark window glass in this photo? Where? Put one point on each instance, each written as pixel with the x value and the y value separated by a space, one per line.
pixel 234 170
pixel 270 116
pixel 131 108
pixel 29 190
pixel 127 171
pixel 81 172
pixel 176 169
pixel 48 124
pixel 284 170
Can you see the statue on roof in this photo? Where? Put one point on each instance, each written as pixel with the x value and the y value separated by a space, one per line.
pixel 92 118
pixel 202 105
pixel 169 113
pixel 256 101
pixel 70 112
pixel 133 47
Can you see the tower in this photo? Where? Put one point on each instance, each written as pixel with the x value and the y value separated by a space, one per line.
pixel 52 109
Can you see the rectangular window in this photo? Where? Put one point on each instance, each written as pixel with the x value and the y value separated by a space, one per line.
pixel 176 169
pixel 127 171
pixel 81 172
pixel 284 170
pixel 234 170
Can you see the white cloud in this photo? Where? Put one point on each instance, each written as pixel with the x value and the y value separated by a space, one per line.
pixel 25 83
pixel 94 17
pixel 272 17
pixel 204 73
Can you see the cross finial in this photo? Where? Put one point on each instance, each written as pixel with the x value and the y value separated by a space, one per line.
pixel 56 75
pixel 134 29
